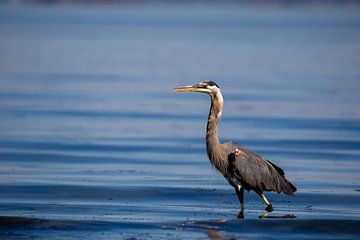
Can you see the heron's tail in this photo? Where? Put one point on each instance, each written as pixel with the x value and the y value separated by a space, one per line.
pixel 287 187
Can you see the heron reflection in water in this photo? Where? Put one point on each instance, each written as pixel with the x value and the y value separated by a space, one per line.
pixel 241 167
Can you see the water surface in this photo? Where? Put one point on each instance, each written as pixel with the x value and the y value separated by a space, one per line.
pixel 95 142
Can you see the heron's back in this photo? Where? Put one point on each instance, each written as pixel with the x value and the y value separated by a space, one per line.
pixel 255 172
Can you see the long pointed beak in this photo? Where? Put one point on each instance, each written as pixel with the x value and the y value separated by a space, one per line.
pixel 187 89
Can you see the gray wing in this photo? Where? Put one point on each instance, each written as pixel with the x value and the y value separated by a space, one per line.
pixel 255 172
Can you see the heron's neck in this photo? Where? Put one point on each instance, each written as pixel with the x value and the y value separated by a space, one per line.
pixel 216 153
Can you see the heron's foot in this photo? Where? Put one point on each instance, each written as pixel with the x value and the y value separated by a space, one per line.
pixel 264 215
pixel 269 208
pixel 241 214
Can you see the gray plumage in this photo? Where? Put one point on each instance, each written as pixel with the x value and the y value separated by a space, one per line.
pixel 253 172
pixel 242 168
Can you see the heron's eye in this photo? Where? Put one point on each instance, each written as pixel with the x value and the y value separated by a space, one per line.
pixel 204 85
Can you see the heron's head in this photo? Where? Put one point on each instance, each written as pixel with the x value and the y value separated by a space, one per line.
pixel 209 87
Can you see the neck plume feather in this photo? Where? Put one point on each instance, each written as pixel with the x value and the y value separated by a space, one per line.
pixel 217 155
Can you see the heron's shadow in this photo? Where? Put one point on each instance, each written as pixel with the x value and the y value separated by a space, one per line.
pixel 266 214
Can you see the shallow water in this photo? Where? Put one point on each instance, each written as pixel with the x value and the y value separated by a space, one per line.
pixel 94 142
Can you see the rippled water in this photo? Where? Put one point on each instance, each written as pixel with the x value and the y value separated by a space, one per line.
pixel 95 142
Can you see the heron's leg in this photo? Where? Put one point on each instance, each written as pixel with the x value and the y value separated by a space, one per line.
pixel 269 207
pixel 240 193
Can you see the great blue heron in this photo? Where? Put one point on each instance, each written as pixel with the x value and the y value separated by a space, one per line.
pixel 242 168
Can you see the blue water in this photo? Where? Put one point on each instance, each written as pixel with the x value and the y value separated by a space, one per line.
pixel 95 142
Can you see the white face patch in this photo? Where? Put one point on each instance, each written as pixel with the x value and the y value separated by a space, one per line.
pixel 213 88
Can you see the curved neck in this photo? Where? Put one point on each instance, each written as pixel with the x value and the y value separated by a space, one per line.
pixel 216 153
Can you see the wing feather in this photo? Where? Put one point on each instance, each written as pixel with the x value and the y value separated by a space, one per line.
pixel 257 173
